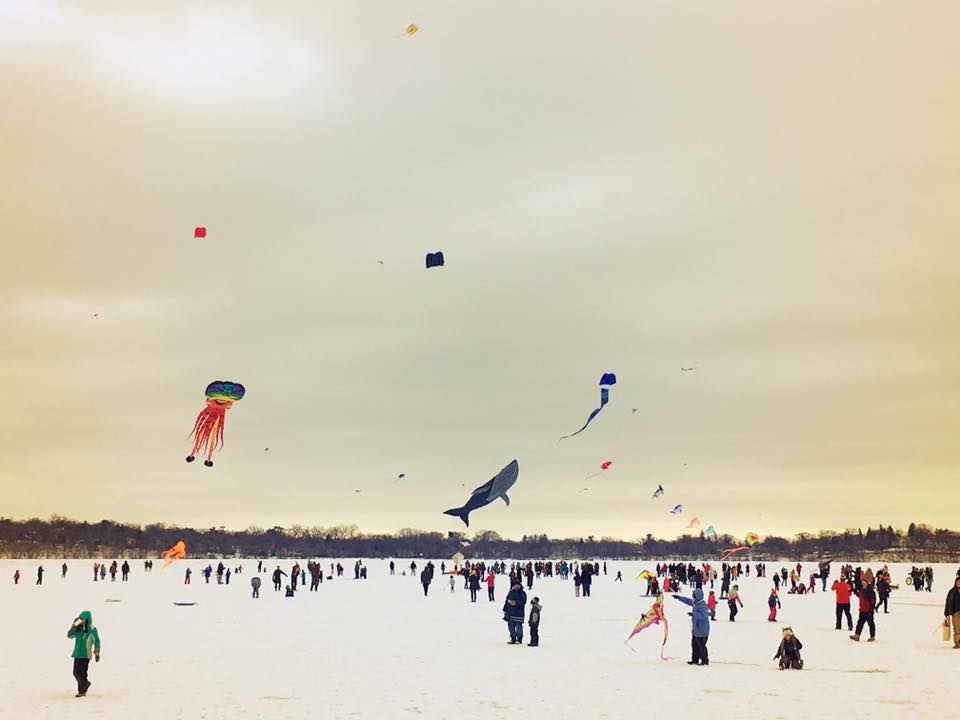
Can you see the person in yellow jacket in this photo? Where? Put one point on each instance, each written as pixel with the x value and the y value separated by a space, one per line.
pixel 86 642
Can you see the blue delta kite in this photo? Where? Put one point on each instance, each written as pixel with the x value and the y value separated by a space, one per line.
pixel 606 381
pixel 494 488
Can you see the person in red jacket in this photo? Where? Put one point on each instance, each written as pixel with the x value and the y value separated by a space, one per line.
pixel 842 588
pixel 491 582
pixel 712 605
pixel 868 602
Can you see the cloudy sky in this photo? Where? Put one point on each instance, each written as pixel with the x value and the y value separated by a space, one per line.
pixel 765 190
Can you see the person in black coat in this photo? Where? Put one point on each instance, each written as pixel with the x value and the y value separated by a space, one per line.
pixel 474 585
pixel 789 651
pixel 513 612
pixel 534 622
pixel 586 578
pixel 951 610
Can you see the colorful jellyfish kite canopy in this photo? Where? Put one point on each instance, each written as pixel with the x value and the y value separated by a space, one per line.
pixel 751 539
pixel 606 381
pixel 434 259
pixel 207 431
pixel 200 232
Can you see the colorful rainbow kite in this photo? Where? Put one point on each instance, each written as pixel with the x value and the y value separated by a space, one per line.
pixel 653 616
pixel 748 542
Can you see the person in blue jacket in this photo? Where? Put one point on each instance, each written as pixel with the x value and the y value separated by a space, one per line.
pixel 701 627
pixel 513 612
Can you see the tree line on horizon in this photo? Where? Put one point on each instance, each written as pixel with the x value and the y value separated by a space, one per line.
pixel 59 536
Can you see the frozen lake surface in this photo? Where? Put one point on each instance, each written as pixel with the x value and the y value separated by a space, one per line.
pixel 379 649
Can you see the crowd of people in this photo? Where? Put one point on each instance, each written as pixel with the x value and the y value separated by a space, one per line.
pixel 869 589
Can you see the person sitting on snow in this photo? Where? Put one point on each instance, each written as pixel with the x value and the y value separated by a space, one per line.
pixel 789 651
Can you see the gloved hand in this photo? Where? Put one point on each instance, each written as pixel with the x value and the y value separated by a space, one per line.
pixel 78 622
pixel 96 656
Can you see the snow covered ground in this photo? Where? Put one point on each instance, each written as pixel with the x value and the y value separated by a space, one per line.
pixel 379 649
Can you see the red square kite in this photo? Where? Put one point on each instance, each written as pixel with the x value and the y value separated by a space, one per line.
pixel 200 232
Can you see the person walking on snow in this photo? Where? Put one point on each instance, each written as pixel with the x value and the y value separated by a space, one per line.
pixel 842 588
pixel 868 602
pixel 774 602
pixel 40 575
pixel 491 583
pixel 86 642
pixel 701 627
pixel 732 599
pixel 951 611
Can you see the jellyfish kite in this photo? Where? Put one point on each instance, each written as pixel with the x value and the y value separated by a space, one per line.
pixel 606 381
pixel 177 552
pixel 207 431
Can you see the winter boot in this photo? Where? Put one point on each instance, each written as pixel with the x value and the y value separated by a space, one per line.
pixel 855 637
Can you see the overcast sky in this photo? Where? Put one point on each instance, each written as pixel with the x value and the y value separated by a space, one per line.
pixel 766 190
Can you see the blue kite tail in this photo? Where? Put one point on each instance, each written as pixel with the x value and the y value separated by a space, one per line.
pixel 460 512
pixel 604 399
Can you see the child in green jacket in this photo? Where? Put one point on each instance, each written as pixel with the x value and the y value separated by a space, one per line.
pixel 86 642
